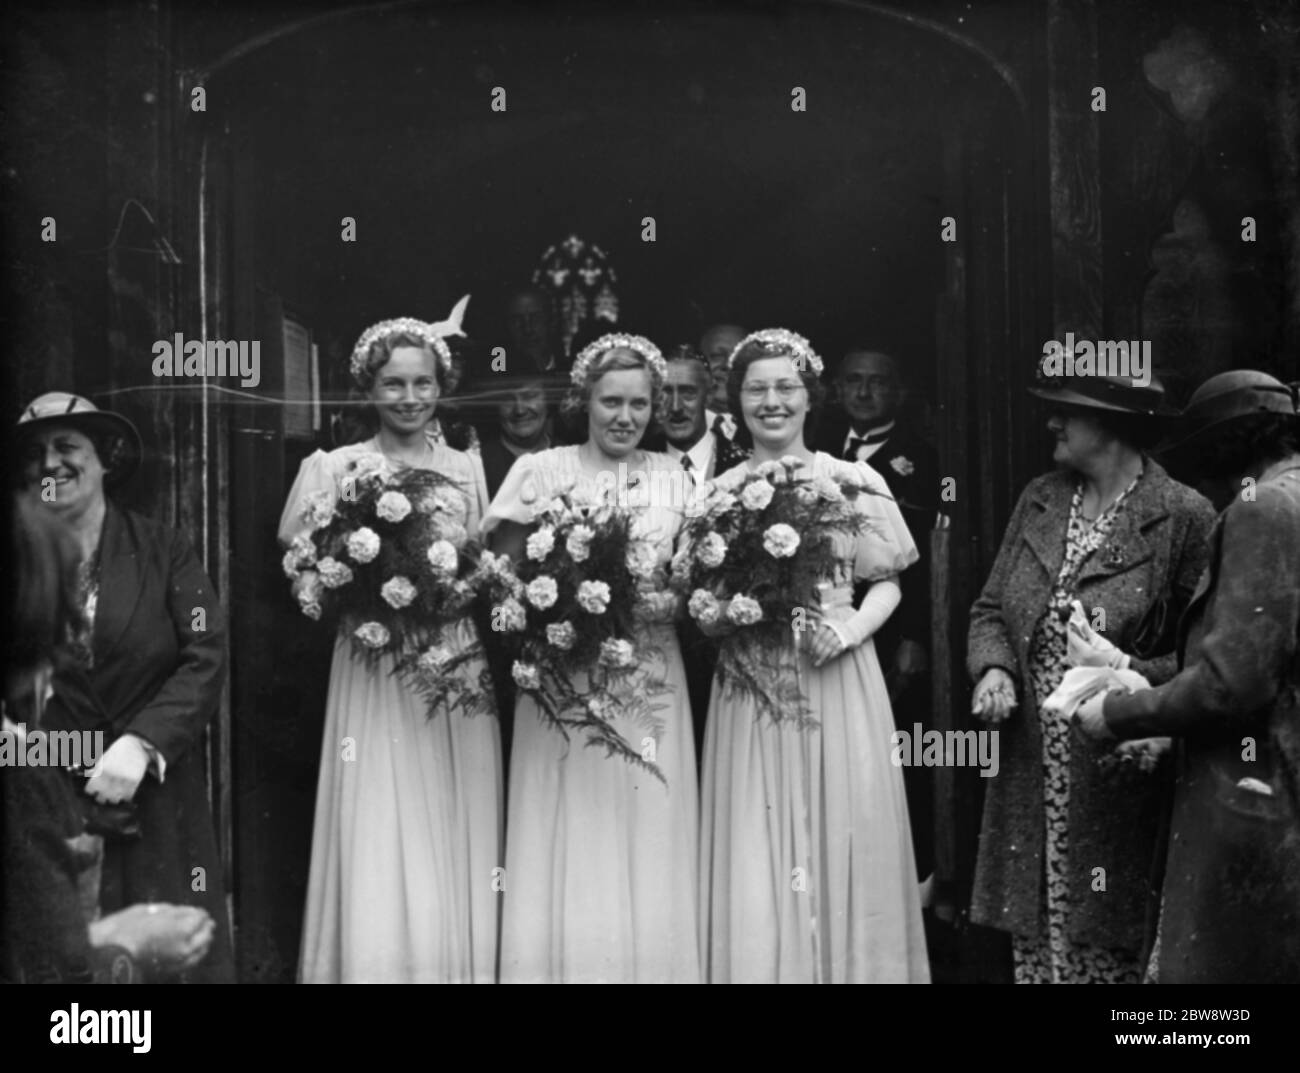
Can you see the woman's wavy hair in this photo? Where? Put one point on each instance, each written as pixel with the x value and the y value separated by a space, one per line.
pixel 615 359
pixel 360 420
pixel 756 351
pixel 1246 443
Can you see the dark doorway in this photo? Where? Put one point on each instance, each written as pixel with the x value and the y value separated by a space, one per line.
pixel 827 220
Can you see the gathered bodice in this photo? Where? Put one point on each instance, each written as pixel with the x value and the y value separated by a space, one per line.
pixel 881 550
pixel 653 487
pixel 462 506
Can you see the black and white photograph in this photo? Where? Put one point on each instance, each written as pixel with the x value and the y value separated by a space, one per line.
pixel 715 493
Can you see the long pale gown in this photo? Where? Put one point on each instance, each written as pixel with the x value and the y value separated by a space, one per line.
pixel 601 858
pixel 407 833
pixel 805 848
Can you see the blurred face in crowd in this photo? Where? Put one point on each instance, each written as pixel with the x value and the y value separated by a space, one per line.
pixel 405 391
pixel 455 374
pixel 685 393
pixel 618 410
pixel 774 402
pixel 1080 438
pixel 66 456
pixel 869 389
pixel 528 321
pixel 716 345
pixel 522 414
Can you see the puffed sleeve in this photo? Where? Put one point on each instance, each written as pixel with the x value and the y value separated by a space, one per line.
pixel 318 473
pixel 886 547
pixel 518 494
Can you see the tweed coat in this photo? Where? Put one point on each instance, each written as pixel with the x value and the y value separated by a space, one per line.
pixel 1158 544
pixel 1231 896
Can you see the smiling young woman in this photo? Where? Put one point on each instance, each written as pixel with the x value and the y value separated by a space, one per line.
pixel 601 857
pixel 806 855
pixel 407 828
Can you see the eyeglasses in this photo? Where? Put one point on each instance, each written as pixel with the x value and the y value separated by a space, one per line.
pixel 785 389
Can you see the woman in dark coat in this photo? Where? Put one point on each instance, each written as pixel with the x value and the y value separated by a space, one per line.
pixel 149 672
pixel 1231 897
pixel 51 929
pixel 1111 530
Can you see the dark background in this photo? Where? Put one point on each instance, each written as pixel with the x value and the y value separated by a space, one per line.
pixel 1117 225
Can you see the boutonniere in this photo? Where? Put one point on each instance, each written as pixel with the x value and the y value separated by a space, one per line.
pixel 1114 558
pixel 902 466
pixel 726 424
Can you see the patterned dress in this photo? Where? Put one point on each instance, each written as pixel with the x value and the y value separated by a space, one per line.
pixel 1055 957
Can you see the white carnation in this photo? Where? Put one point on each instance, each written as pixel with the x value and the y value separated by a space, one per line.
pixel 393 506
pixel 443 557
pixel 334 574
pixel 363 545
pixel 540 543
pixel 397 592
pixel 780 541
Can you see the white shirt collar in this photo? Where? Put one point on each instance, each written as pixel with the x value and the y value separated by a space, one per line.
pixel 701 454
pixel 879 431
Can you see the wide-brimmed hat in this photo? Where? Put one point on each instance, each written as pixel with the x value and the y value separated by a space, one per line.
pixel 1114 394
pixel 1228 397
pixel 62 408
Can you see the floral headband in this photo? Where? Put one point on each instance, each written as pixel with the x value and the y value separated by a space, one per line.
pixel 616 340
pixel 783 341
pixel 430 334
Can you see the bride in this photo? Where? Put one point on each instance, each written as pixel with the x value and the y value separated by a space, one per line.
pixel 601 856
pixel 408 808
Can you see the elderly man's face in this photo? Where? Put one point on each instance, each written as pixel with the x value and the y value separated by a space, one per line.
pixel 685 393
pixel 716 345
pixel 529 322
pixel 869 388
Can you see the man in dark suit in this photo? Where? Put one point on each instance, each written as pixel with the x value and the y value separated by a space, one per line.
pixel 865 428
pixel 684 429
pixel 533 342
pixel 716 345
pixel 683 432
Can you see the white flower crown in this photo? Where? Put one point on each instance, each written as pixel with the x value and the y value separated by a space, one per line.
pixel 430 334
pixel 785 341
pixel 613 341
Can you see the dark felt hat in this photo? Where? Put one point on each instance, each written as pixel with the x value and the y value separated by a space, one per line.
pixel 1229 397
pixel 1115 394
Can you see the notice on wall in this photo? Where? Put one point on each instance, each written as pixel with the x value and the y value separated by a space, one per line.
pixel 301 390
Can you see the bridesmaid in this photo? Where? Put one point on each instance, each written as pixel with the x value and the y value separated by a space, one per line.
pixel 601 856
pixel 408 830
pixel 806 853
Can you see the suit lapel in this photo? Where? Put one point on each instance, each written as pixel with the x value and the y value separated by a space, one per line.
pixel 1044 532
pixel 119 584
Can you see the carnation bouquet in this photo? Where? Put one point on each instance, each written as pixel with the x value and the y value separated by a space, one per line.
pixel 389 561
pixel 754 563
pixel 572 607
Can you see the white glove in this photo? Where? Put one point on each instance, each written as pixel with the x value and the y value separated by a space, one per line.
pixel 1085 647
pixel 119 771
pixel 876 607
